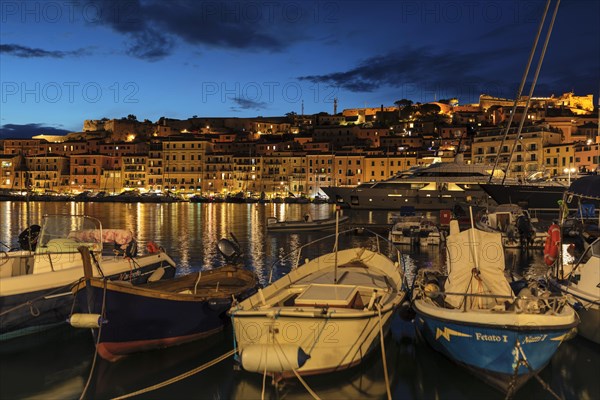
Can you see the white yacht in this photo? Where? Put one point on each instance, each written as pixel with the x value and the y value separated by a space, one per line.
pixel 435 187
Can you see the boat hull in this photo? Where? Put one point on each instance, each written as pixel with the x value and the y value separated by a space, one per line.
pixel 26 310
pixel 316 225
pixel 332 344
pixel 489 350
pixel 587 307
pixel 527 196
pixel 137 322
pixel 590 321
pixel 395 199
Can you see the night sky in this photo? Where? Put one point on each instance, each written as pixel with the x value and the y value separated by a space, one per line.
pixel 65 61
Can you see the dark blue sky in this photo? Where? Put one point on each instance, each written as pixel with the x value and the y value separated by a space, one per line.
pixel 62 61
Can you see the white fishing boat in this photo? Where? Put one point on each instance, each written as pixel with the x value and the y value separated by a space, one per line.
pixel 35 282
pixel 576 271
pixel 473 317
pixel 325 315
pixel 416 231
pixel 307 223
pixel 515 224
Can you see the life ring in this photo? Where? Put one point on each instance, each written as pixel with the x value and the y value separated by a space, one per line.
pixel 551 245
pixel 152 248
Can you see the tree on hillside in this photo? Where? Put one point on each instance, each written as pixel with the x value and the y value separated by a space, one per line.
pixel 430 109
pixel 406 112
pixel 403 103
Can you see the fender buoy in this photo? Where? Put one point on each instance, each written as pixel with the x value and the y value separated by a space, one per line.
pixel 152 248
pixel 551 245
pixel 273 358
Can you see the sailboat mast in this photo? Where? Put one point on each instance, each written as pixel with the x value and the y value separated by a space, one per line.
pixel 521 86
pixel 532 88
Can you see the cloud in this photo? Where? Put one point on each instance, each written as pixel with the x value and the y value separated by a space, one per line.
pixel 150 45
pixel 153 27
pixel 421 71
pixel 31 52
pixel 246 104
pixel 26 131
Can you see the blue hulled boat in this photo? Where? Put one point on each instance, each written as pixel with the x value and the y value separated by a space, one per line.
pixel 128 318
pixel 473 317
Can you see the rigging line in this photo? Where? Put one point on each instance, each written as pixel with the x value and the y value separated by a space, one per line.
pixel 521 86
pixel 532 88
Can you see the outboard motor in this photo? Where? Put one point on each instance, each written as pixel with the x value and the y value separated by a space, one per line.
pixel 29 237
pixel 229 250
pixel 131 250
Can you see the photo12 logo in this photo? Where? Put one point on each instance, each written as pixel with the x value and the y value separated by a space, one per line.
pixel 265 93
pixel 53 12
pixel 324 332
pixel 70 92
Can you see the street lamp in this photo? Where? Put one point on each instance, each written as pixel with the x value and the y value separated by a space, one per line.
pixel 569 171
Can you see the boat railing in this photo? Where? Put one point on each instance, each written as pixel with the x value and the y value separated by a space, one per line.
pixel 296 254
pixel 527 303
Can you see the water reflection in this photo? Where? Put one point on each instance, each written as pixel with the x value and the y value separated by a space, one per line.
pixel 366 381
pixel 49 366
pixel 58 366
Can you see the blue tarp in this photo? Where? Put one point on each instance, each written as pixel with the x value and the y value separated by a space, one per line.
pixel 587 186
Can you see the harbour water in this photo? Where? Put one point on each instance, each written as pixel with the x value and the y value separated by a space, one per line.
pixel 57 364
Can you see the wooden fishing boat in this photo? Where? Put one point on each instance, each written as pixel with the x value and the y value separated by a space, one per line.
pixel 325 315
pixel 35 281
pixel 128 318
pixel 473 317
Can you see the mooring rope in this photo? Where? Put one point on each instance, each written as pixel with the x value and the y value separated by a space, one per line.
pixel 540 380
pixel 100 323
pixel 177 378
pixel 264 380
pixel 523 361
pixel 385 370
pixel 302 381
pixel 31 302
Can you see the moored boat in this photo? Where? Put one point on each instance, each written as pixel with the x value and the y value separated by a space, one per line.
pixel 435 187
pixel 542 196
pixel 473 317
pixel 325 315
pixel 514 224
pixel 416 231
pixel 127 318
pixel 305 224
pixel 576 268
pixel 35 281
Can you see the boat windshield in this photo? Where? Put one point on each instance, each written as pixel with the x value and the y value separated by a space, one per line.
pixel 592 251
pixel 63 227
